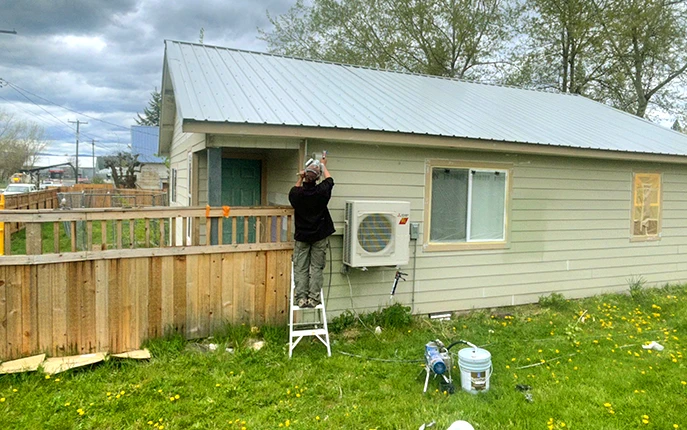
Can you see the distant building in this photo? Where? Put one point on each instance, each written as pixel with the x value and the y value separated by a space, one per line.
pixel 46 160
pixel 144 142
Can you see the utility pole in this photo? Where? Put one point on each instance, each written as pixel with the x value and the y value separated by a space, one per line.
pixel 77 122
pixel 93 149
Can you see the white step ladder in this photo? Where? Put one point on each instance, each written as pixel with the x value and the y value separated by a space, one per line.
pixel 315 326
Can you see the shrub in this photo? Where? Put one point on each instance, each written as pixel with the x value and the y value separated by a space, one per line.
pixel 553 301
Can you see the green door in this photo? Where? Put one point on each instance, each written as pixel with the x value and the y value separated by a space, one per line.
pixel 240 187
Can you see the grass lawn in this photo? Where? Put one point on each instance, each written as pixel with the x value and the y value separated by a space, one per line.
pixel 583 361
pixel 19 237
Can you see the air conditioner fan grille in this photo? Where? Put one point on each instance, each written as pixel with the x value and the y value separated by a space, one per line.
pixel 375 232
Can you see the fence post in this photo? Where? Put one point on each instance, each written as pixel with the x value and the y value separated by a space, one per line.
pixel 2 226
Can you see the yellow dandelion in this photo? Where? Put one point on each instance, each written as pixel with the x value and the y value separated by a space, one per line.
pixel 2 399
pixel 176 396
pixel 150 423
pixel 608 405
pixel 317 418
pixel 47 376
pixel 287 423
pixel 171 399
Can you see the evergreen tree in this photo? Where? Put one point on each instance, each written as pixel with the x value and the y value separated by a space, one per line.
pixel 151 114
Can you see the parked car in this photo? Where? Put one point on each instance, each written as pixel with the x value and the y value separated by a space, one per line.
pixel 20 189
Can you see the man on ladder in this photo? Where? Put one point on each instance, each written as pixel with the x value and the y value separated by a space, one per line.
pixel 313 226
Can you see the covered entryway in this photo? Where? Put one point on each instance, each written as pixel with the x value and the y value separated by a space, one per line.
pixel 241 186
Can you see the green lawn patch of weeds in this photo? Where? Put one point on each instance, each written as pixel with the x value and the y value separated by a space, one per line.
pixel 560 364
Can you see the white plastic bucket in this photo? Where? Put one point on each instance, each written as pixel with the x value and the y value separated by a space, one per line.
pixel 475 369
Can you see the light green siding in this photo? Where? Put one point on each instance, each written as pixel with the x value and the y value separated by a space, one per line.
pixel 182 144
pixel 569 231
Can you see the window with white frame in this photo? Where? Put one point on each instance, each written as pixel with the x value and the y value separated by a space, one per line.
pixel 467 204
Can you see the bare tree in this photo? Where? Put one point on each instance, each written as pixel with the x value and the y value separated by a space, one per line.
pixel 124 167
pixel 20 143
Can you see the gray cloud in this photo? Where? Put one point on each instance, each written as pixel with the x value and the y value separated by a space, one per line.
pixel 102 58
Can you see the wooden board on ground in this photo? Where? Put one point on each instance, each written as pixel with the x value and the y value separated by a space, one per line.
pixel 139 354
pixel 55 365
pixel 28 364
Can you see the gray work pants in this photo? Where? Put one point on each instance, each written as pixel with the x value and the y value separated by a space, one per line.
pixel 308 268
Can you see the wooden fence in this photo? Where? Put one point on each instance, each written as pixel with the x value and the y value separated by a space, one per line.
pixel 109 298
pixel 82 195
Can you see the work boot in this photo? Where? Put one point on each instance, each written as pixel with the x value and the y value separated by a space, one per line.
pixel 302 302
pixel 313 303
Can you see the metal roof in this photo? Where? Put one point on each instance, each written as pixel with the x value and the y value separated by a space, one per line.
pixel 218 84
pixel 144 141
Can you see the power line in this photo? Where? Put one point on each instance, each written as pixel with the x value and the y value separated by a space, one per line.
pixel 16 87
pixel 71 129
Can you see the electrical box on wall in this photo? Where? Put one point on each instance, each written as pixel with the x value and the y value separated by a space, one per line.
pixel 414 230
pixel 376 233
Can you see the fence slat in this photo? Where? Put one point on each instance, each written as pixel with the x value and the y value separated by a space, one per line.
pixel 28 309
pixel 44 290
pixel 56 237
pixel 59 307
pixel 72 234
pixel 233 230
pixel 155 327
pixel 14 310
pixel 102 332
pixel 87 342
pixel 162 243
pixel 4 352
pixel 119 234
pixel 89 235
pixel 34 238
pixel 132 233
pixel 103 235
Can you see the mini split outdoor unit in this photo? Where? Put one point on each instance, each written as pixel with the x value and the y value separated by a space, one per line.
pixel 376 233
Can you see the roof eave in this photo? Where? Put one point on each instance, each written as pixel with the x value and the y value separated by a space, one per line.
pixel 424 140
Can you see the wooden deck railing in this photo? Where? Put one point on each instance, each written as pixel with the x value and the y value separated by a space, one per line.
pixel 86 234
pixel 140 276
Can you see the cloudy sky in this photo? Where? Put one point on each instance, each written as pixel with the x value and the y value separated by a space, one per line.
pixel 98 60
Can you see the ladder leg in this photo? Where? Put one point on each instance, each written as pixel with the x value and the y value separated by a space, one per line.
pixel 326 329
pixel 291 311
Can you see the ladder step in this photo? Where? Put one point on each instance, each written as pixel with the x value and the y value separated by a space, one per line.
pixel 296 308
pixel 313 332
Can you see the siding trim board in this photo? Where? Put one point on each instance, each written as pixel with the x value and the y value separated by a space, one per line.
pixel 407 139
